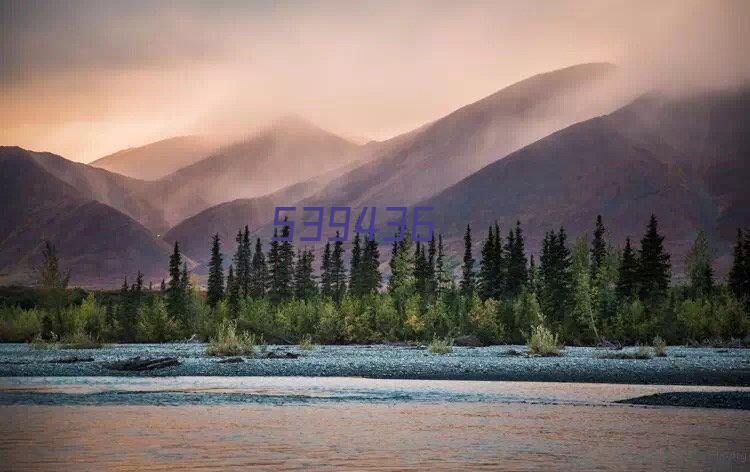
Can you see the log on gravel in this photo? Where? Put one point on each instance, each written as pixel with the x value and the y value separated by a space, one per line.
pixel 138 363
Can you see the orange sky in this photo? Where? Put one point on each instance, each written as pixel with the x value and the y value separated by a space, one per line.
pixel 84 79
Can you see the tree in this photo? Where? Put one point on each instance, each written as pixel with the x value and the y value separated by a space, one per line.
pixel 215 289
pixel 698 263
pixel 556 278
pixel 487 267
pixel 338 273
pixel 598 247
pixel 304 281
pixel 176 293
pixel 281 262
pixel 371 278
pixel 50 275
pixel 258 272
pixel 653 264
pixel 443 277
pixel 233 291
pixel 739 275
pixel 516 264
pixel 242 264
pixel 468 283
pixel 627 275
pixel 355 268
pixel 325 272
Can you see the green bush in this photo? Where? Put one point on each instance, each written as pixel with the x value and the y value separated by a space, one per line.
pixel 484 320
pixel 441 346
pixel 228 342
pixel 543 343
pixel 153 323
pixel 80 340
pixel 306 344
pixel 19 325
pixel 660 347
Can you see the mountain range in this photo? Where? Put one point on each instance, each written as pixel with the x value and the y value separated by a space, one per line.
pixel 554 149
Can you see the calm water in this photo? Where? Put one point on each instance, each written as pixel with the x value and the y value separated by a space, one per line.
pixel 352 423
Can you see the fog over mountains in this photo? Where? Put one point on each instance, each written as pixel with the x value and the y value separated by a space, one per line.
pixel 555 149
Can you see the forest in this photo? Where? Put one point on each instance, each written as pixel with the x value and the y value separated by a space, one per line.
pixel 584 292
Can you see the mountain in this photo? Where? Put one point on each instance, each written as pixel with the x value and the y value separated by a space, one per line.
pixel 289 151
pixel 194 233
pixel 418 164
pixel 97 242
pixel 119 192
pixel 156 160
pixel 685 159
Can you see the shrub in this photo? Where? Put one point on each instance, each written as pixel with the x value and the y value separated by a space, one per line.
pixel 483 316
pixel 153 323
pixel 441 346
pixel 306 343
pixel 80 340
pixel 643 352
pixel 660 347
pixel 543 343
pixel 38 342
pixel 228 342
pixel 19 325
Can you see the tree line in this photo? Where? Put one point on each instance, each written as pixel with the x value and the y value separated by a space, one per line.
pixel 587 292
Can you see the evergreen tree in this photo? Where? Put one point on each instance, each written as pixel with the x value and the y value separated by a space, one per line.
pixel 516 265
pixel 627 275
pixel 420 270
pixel 281 261
pixel 338 273
pixel 556 278
pixel 442 276
pixel 533 275
pixel 242 262
pixel 215 289
pixel 500 285
pixel 233 290
pixel 355 268
pixel 370 267
pixel 431 279
pixel 326 286
pixel 258 272
pixel 468 277
pixel 653 264
pixel 487 267
pixel 176 290
pixel 739 276
pixel 698 263
pixel 304 282
pixel 598 247
pixel 163 286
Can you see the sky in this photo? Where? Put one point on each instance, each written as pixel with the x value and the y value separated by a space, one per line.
pixel 87 78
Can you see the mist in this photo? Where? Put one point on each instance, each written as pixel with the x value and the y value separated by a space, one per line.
pixel 84 79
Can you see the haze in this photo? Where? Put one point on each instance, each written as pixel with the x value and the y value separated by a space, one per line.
pixel 84 79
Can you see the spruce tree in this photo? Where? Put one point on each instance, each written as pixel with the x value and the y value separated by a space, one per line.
pixel 282 268
pixel 338 273
pixel 431 280
pixel 627 276
pixel 233 290
pixel 355 268
pixel 468 283
pixel 215 289
pixel 556 278
pixel 370 267
pixel 516 266
pixel 176 289
pixel 258 272
pixel 500 286
pixel 653 264
pixel 739 277
pixel 487 268
pixel 698 263
pixel 326 288
pixel 443 278
pixel 420 270
pixel 598 248
pixel 304 282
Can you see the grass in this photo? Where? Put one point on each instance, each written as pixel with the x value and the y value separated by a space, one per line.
pixel 228 342
pixel 660 347
pixel 38 342
pixel 306 344
pixel 441 346
pixel 80 340
pixel 642 353
pixel 543 343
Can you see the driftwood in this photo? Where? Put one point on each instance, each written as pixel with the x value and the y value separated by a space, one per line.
pixel 281 355
pixel 71 360
pixel 137 364
pixel 614 346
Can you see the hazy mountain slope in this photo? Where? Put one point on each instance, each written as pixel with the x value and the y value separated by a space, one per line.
pixel 655 155
pixel 425 161
pixel 288 152
pixel 156 160
pixel 98 243
pixel 194 233
pixel 117 191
